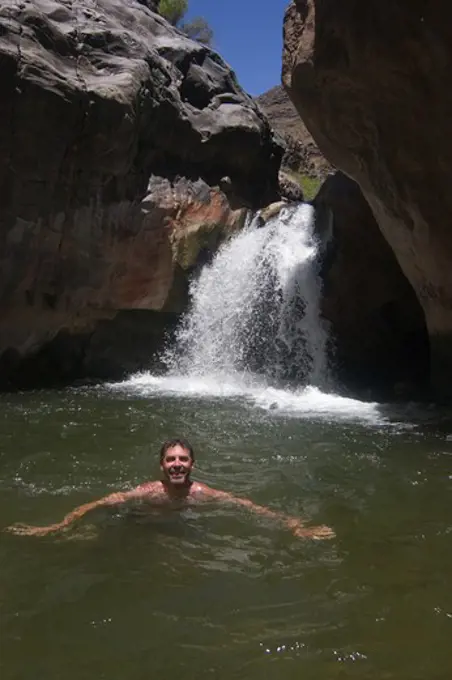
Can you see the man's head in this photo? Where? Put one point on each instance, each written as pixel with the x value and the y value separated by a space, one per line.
pixel 176 461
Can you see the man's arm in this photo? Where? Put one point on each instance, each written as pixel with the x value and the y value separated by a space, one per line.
pixel 110 500
pixel 293 523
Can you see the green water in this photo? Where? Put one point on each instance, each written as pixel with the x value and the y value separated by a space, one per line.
pixel 218 593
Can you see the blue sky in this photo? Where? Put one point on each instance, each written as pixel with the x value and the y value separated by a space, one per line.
pixel 248 35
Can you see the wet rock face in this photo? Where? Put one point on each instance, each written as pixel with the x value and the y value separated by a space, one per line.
pixel 131 269
pixel 371 82
pixel 115 132
pixel 379 339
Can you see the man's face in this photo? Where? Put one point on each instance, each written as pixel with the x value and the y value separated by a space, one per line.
pixel 176 465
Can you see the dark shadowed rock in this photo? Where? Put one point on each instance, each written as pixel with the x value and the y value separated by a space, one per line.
pixel 380 340
pixel 128 342
pixel 371 81
pixel 153 5
pixel 99 100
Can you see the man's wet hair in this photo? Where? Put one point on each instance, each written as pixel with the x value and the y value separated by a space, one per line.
pixel 170 443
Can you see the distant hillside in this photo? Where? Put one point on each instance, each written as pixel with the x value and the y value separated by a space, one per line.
pixel 303 155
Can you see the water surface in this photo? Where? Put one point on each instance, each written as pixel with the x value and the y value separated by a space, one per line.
pixel 217 592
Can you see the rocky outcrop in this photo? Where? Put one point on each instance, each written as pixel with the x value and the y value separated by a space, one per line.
pixel 379 340
pixel 270 211
pixel 289 188
pixel 302 153
pixel 372 84
pixel 87 328
pixel 126 153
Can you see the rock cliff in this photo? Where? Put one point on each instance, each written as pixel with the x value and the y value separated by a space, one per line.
pixel 379 340
pixel 120 139
pixel 302 153
pixel 371 82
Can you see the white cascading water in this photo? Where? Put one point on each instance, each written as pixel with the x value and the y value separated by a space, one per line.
pixel 255 308
pixel 254 329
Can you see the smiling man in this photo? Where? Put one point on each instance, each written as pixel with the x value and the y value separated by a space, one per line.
pixel 178 490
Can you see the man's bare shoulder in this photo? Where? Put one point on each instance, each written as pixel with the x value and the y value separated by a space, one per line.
pixel 149 489
pixel 203 492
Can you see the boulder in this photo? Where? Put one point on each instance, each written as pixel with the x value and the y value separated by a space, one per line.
pixel 289 188
pixel 116 131
pixel 371 82
pixel 271 211
pixel 377 329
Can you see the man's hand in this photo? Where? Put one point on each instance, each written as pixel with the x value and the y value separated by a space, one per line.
pixel 112 499
pixel 317 533
pixel 26 530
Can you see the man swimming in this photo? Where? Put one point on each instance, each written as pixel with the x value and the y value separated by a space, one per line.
pixel 175 489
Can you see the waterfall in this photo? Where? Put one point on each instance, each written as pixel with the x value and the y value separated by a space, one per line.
pixel 254 310
pixel 253 331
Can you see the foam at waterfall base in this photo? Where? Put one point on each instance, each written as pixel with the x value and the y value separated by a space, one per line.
pixel 308 402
